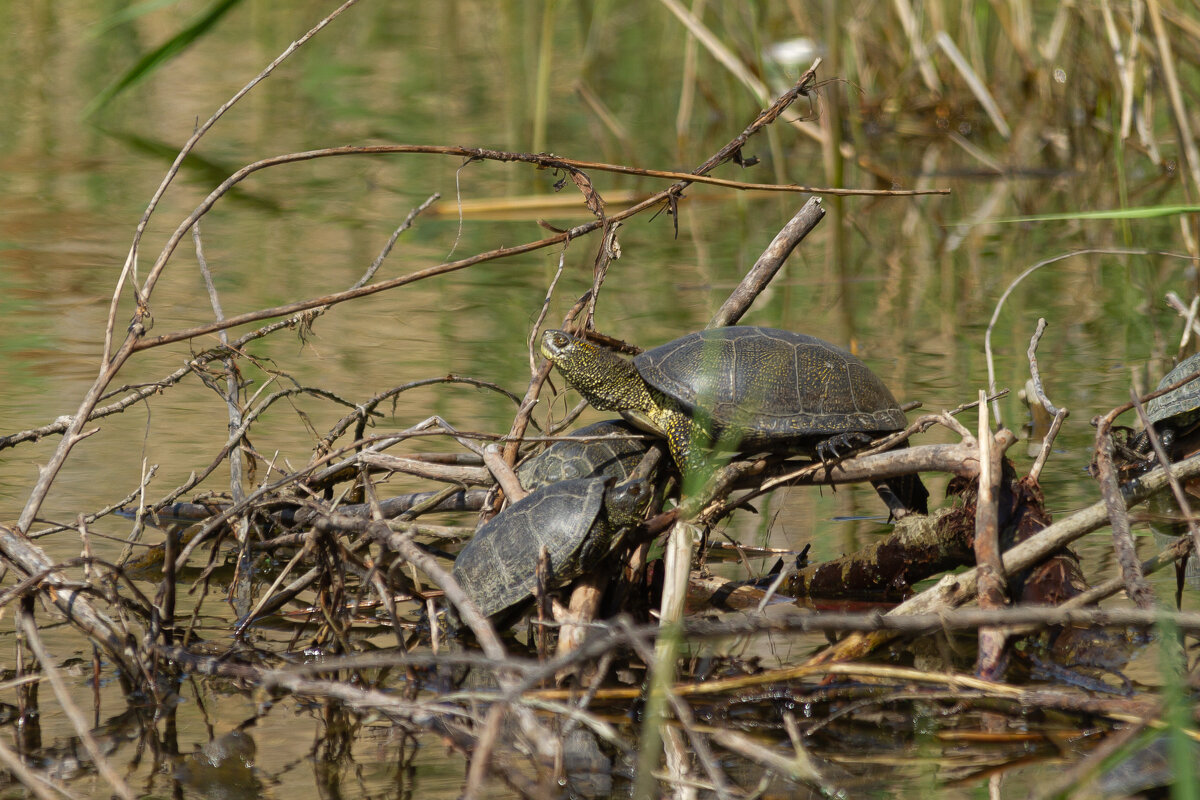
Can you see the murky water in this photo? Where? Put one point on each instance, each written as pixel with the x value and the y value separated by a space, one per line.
pixel 910 283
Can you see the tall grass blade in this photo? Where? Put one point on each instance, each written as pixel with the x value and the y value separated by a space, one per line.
pixel 129 14
pixel 977 86
pixel 541 100
pixel 1148 212
pixel 1177 713
pixel 150 62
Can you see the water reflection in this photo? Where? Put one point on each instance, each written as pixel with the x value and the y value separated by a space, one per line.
pixel 900 281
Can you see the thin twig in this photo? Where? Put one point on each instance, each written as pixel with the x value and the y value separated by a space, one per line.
pixel 130 265
pixel 987 336
pixel 112 362
pixel 1039 397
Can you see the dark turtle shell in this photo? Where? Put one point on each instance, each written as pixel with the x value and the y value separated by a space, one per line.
pixel 577 521
pixel 771 385
pixel 1183 401
pixel 567 459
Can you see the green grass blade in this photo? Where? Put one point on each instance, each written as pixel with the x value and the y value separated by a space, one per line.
pixel 1148 212
pixel 148 63
pixel 127 15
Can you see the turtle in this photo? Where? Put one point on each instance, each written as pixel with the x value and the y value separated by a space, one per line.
pixel 1175 417
pixel 570 458
pixel 579 522
pixel 1177 412
pixel 744 387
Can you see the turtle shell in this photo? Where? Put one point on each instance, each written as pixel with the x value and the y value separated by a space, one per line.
pixel 567 460
pixel 498 567
pixel 1183 401
pixel 771 385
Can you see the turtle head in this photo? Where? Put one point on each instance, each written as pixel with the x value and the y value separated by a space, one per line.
pixel 626 503
pixel 607 381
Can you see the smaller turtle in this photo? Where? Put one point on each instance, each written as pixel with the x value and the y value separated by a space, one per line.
pixel 1177 412
pixel 579 522
pixel 570 458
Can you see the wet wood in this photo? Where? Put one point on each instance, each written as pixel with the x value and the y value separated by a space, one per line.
pixel 992 585
pixel 954 590
pixel 918 547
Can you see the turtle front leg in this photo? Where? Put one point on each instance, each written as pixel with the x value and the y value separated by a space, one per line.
pixel 847 442
pixel 686 456
pixel 688 442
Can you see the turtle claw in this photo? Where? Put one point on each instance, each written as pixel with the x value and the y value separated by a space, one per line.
pixel 848 442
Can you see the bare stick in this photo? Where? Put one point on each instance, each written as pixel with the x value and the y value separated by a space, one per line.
pixel 1180 549
pixel 1035 471
pixel 1039 396
pixel 237 463
pixel 1188 312
pixel 769 263
pixel 112 362
pixel 991 659
pixel 1034 372
pixel 391 242
pixel 1110 490
pixel 586 594
pixel 31 560
pixel 493 458
pixel 987 336
pixel 131 259
pixel 961 619
pixel 471 476
pixel 531 343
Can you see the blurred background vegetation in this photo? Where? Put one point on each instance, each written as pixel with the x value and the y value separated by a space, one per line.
pixel 1022 109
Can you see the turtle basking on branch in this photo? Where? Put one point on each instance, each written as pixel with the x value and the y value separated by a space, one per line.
pixel 746 388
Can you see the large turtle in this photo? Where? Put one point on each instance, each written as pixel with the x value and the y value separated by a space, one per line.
pixel 583 456
pixel 1177 412
pixel 579 522
pixel 747 388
